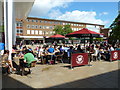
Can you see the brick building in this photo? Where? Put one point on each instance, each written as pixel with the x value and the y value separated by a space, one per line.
pixel 38 28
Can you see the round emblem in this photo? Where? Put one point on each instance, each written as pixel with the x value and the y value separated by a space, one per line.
pixel 79 59
pixel 115 55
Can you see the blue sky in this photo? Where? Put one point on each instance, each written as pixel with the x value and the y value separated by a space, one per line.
pixel 89 12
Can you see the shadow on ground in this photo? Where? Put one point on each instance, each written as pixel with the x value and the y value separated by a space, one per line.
pixel 10 83
pixel 106 80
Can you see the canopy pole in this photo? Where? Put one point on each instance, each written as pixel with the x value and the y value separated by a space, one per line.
pixel 84 42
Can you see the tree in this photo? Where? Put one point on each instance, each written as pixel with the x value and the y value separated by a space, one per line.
pixel 66 29
pixel 58 29
pixel 63 30
pixel 115 34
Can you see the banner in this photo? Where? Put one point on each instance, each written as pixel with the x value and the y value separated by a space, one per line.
pixel 119 55
pixel 78 59
pixel 115 55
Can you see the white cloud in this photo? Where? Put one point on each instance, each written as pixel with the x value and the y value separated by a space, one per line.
pixel 50 8
pixel 42 7
pixel 81 16
pixel 54 13
pixel 103 13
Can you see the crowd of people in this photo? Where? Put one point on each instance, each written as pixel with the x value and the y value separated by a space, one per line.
pixel 50 54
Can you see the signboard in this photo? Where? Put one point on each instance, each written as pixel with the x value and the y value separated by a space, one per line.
pixel 114 55
pixel 119 55
pixel 78 59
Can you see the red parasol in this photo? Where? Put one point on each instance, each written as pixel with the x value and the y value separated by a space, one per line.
pixel 57 36
pixel 83 33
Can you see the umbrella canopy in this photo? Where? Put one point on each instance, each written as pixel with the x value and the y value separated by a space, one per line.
pixel 83 33
pixel 57 36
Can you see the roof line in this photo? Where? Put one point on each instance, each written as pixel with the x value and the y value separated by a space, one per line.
pixel 63 21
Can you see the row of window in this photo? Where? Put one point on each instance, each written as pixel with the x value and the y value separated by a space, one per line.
pixel 73 24
pixel 36 32
pixel 19 30
pixel 54 22
pixel 19 24
pixel 40 26
pixel 41 21
pixel 76 29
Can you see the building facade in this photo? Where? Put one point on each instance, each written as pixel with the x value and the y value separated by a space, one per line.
pixel 38 28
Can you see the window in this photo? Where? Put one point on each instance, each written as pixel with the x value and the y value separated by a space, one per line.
pixel 28 31
pixel 47 27
pixel 20 24
pixel 28 26
pixel 21 31
pixel 97 27
pixel 44 27
pixel 75 24
pixel 17 24
pixel 32 20
pixel 36 31
pixel 36 26
pixel 51 32
pixel 17 30
pixel 40 26
pixel 33 26
pixel 28 20
pixel 46 32
pixel 50 22
pixel 40 21
pixel 50 27
pixel 36 20
pixel 69 23
pixel 40 32
pixel 45 21
pixel 56 22
pixel 61 23
pixel 32 31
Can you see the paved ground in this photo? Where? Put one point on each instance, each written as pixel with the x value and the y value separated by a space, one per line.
pixel 101 74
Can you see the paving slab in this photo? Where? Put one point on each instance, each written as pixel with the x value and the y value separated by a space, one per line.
pixel 101 74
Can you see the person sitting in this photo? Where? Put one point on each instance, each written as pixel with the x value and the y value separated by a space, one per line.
pixel 79 49
pixel 118 47
pixel 51 49
pixel 29 61
pixel 7 66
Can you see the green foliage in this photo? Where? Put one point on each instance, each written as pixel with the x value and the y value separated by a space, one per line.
pixel 67 29
pixel 62 30
pixel 58 29
pixel 99 39
pixel 116 32
pixel 2 28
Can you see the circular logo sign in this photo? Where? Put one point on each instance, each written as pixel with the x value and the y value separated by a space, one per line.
pixel 115 55
pixel 79 59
